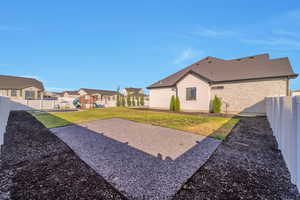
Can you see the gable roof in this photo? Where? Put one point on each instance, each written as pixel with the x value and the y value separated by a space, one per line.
pixel 72 92
pixel 132 89
pixel 102 92
pixel 15 82
pixel 215 70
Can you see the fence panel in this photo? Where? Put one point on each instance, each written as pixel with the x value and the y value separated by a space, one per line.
pixel 284 117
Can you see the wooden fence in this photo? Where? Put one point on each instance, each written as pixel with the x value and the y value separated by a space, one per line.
pixel 284 116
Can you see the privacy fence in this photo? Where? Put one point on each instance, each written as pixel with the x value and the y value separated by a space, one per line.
pixel 284 116
pixel 6 105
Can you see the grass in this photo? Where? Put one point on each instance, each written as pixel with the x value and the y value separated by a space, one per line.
pixel 217 127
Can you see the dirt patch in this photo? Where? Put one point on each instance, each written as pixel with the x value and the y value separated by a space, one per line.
pixel 247 165
pixel 41 166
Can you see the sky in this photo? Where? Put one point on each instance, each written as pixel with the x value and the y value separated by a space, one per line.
pixel 105 44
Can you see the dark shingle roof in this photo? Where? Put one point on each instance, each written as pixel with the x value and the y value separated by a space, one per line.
pixel 102 92
pixel 216 70
pixel 15 82
pixel 133 89
pixel 72 92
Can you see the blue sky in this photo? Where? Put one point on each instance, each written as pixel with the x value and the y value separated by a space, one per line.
pixel 105 44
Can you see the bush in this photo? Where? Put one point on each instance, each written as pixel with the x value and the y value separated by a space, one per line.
pixel 118 97
pixel 133 101
pixel 128 101
pixel 138 101
pixel 172 104
pixel 177 104
pixel 123 101
pixel 216 107
pixel 142 101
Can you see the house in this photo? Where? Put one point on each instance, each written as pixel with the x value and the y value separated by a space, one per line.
pixel 133 91
pixel 71 94
pixel 90 97
pixel 296 93
pixel 21 88
pixel 242 84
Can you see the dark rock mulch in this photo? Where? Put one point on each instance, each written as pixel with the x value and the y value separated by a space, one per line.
pixel 247 165
pixel 37 165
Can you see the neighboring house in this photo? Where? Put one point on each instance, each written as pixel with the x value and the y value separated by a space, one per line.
pixel 71 94
pixel 21 88
pixel 52 95
pixel 133 91
pixel 296 93
pixel 105 98
pixel 242 84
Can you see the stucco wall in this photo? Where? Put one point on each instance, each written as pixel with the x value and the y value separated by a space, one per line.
pixel 248 96
pixel 202 93
pixel 20 93
pixel 160 97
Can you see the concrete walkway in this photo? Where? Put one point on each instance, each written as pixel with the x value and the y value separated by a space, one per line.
pixel 142 161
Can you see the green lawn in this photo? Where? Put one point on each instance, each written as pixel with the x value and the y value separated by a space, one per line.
pixel 217 127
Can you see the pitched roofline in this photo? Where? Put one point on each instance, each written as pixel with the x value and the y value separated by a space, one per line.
pixel 292 76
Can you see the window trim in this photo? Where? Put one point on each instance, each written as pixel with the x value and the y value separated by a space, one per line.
pixel 186 94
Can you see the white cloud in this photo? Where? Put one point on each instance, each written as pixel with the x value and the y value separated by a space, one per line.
pixel 187 54
pixel 213 33
pixel 55 89
pixel 285 42
pixel 286 33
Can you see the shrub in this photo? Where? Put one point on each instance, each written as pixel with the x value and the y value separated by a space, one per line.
pixel 142 101
pixel 133 101
pixel 172 103
pixel 138 101
pixel 118 97
pixel 177 104
pixel 128 101
pixel 123 101
pixel 216 107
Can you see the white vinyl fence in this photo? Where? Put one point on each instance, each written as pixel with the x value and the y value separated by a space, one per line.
pixel 284 116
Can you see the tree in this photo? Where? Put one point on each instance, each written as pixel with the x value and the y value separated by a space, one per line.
pixel 177 104
pixel 142 100
pixel 118 97
pixel 123 101
pixel 216 105
pixel 172 103
pixel 133 101
pixel 138 101
pixel 128 100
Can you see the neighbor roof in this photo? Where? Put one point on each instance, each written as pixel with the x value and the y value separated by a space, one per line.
pixel 102 92
pixel 72 92
pixel 133 89
pixel 15 82
pixel 215 70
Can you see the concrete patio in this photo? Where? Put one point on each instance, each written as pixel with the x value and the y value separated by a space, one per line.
pixel 142 161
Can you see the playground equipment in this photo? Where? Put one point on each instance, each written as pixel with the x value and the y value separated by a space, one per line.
pixel 76 103
pixel 98 105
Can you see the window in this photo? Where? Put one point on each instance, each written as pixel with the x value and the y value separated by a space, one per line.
pixel 29 95
pixel 191 93
pixel 13 93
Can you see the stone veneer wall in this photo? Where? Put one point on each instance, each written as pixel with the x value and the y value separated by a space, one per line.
pixel 249 96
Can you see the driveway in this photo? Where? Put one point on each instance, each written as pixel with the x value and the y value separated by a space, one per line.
pixel 142 161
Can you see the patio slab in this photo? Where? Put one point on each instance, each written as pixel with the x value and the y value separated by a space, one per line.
pixel 141 160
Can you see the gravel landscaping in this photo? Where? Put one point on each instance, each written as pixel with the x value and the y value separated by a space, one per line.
pixel 35 164
pixel 247 165
pixel 140 160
